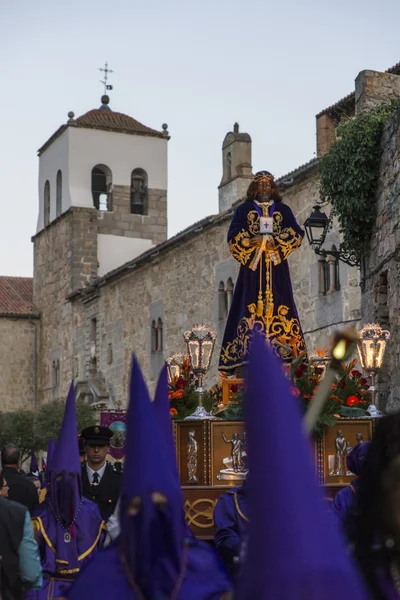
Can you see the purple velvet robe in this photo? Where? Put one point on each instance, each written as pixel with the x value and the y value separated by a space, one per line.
pixel 231 526
pixel 89 534
pixel 104 577
pixel 278 320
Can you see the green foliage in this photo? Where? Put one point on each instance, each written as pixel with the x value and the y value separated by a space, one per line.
pixel 349 175
pixel 32 430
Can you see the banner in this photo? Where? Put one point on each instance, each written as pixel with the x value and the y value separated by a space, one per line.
pixel 116 421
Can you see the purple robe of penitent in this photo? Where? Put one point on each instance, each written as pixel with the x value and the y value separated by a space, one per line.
pixel 231 526
pixel 152 557
pixel 294 549
pixel 65 547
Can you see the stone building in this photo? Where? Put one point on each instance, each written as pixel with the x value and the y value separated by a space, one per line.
pixel 108 282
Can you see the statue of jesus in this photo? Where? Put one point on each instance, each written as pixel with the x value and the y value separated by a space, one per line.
pixel 262 235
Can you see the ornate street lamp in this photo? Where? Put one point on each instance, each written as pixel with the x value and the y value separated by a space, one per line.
pixel 200 344
pixel 174 363
pixel 316 227
pixel 371 350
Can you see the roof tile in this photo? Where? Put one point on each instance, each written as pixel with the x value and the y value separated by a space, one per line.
pixel 114 121
pixel 16 296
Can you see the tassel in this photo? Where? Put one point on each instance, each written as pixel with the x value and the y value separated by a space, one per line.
pixel 260 305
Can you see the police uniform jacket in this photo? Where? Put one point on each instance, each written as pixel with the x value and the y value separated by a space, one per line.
pixel 105 494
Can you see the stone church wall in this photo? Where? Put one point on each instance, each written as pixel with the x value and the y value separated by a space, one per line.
pixel 17 360
pixel 381 273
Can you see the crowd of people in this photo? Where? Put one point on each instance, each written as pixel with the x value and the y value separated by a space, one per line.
pixel 93 532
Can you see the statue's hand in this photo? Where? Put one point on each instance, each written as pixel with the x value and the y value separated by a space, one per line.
pixel 256 241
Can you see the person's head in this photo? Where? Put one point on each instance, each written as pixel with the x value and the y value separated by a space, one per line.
pixel 97 445
pixel 10 456
pixel 263 188
pixel 3 486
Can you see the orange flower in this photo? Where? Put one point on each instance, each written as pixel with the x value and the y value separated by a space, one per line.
pixel 177 395
pixel 307 396
pixel 173 411
pixel 333 386
pixel 321 353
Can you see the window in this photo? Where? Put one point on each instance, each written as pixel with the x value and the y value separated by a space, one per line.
pixel 328 274
pixel 59 194
pixel 139 192
pixel 102 187
pixel 229 294
pixel 56 374
pixel 222 303
pixel 93 340
pixel 225 295
pixel 46 204
pixel 160 336
pixel 153 336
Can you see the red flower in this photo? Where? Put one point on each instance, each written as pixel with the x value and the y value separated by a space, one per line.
pixel 356 373
pixel 318 370
pixel 363 381
pixel 173 411
pixel 234 388
pixel 342 384
pixel 181 383
pixel 352 401
pixel 295 392
pixel 299 372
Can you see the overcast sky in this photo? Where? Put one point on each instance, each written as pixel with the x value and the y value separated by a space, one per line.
pixel 198 66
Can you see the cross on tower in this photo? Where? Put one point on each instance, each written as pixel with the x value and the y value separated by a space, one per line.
pixel 106 71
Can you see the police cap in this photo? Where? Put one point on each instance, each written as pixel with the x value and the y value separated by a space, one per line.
pixel 97 435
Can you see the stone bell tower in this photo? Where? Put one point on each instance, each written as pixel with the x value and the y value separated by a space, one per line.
pixel 236 168
pixel 102 202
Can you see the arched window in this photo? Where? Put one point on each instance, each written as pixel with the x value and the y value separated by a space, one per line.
pixel 153 336
pixel 229 294
pixel 222 303
pixel 139 192
pixel 160 336
pixel 229 166
pixel 102 187
pixel 59 194
pixel 46 204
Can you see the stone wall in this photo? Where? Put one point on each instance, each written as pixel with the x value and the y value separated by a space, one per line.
pixel 121 222
pixel 381 273
pixel 17 364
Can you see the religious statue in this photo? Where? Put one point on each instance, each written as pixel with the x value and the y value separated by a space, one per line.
pixel 262 235
pixel 138 192
pixel 359 438
pixel 348 450
pixel 192 457
pixel 341 445
pixel 236 467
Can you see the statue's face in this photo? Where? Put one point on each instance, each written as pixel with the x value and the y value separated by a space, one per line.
pixel 264 188
pixel 235 436
pixel 340 433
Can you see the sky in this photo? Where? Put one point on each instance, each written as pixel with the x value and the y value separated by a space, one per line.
pixel 198 66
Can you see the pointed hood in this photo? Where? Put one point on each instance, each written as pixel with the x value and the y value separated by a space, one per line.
pixel 161 406
pixel 34 466
pixel 151 513
pixel 64 490
pixel 294 549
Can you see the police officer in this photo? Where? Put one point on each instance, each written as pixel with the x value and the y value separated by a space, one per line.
pixel 100 482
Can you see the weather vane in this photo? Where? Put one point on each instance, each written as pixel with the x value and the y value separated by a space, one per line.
pixel 106 71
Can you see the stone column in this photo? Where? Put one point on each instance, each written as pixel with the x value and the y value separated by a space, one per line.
pixel 373 87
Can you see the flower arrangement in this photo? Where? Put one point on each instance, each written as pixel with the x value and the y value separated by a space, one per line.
pixel 349 394
pixel 182 392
